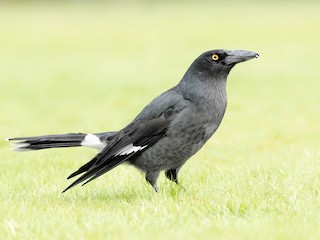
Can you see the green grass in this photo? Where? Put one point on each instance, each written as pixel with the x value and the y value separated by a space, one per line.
pixel 70 67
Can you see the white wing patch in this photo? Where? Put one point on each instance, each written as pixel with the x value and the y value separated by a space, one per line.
pixel 93 141
pixel 129 149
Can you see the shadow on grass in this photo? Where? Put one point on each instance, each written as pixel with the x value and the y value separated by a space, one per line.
pixel 125 194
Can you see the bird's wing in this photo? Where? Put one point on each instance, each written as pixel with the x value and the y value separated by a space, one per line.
pixel 163 102
pixel 126 144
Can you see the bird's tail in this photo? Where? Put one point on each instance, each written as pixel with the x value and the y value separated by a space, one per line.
pixel 48 141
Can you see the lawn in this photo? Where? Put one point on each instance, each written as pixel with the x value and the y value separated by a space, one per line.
pixel 77 67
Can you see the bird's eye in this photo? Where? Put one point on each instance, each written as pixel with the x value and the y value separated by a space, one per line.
pixel 215 57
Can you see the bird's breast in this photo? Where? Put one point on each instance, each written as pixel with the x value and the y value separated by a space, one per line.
pixel 187 133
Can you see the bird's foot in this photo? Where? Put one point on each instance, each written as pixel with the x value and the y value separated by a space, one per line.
pixel 182 187
pixel 156 189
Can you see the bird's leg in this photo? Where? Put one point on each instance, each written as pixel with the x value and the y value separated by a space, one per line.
pixel 152 177
pixel 172 175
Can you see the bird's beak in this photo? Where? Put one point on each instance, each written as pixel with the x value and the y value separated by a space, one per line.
pixel 237 56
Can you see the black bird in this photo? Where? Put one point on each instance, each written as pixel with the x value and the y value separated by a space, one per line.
pixel 166 133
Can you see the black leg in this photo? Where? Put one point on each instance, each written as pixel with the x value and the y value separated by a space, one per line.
pixel 152 177
pixel 172 175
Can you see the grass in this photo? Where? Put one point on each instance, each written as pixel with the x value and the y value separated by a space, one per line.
pixel 70 67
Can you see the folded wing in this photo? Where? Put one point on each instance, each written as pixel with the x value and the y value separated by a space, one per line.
pixel 125 145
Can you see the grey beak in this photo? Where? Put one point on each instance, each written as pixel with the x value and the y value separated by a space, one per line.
pixel 237 56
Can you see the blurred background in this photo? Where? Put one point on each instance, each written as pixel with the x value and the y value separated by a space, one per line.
pixel 91 66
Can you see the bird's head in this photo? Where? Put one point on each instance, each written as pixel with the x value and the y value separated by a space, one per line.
pixel 220 61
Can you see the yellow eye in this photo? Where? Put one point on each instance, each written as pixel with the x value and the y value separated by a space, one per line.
pixel 215 57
